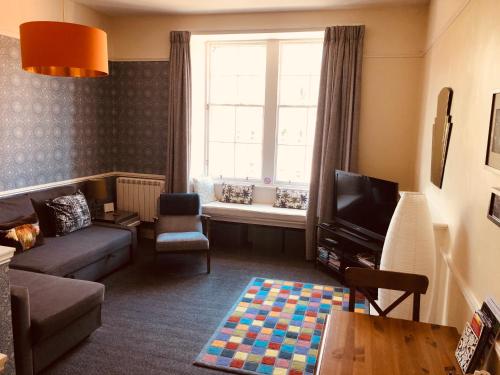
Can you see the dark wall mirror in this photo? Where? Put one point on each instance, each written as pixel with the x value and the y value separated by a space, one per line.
pixel 493 152
pixel 441 133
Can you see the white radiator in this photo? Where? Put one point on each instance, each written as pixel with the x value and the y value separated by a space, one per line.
pixel 139 195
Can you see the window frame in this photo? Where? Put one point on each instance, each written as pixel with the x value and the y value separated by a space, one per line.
pixel 270 109
pixel 278 106
pixel 208 77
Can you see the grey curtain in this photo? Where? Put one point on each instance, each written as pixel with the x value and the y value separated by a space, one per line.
pixel 179 113
pixel 337 124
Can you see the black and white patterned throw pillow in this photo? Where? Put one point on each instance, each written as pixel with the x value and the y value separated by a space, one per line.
pixel 71 213
pixel 242 194
pixel 291 198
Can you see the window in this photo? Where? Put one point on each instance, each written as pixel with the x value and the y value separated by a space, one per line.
pixel 237 78
pixel 300 64
pixel 258 96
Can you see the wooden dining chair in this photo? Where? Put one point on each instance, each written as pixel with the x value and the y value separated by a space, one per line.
pixel 362 279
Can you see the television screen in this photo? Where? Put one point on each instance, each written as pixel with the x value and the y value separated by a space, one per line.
pixel 364 203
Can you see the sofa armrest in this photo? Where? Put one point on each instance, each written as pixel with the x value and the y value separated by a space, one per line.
pixel 132 230
pixel 21 327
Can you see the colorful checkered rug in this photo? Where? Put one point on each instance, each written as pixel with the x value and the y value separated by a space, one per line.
pixel 275 328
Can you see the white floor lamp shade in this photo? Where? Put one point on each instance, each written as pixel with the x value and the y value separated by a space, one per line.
pixel 410 247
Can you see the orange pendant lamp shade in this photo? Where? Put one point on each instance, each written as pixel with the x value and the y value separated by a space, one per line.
pixel 63 49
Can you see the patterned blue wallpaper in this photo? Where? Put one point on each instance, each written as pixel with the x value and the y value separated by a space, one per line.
pixel 54 129
pixel 6 345
pixel 139 95
pixel 51 129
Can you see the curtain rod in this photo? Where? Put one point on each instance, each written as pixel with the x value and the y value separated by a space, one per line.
pixel 257 31
pixel 263 31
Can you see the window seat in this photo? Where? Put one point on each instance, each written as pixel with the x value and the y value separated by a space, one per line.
pixel 260 212
pixel 256 213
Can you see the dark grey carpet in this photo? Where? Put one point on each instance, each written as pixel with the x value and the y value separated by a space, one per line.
pixel 157 316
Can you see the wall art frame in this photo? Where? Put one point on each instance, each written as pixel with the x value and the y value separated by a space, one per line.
pixel 494 207
pixel 493 150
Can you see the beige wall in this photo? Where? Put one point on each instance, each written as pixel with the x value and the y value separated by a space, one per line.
pixel 15 12
pixel 395 41
pixel 78 13
pixel 396 31
pixel 464 51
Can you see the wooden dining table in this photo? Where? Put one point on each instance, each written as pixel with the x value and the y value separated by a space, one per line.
pixel 361 344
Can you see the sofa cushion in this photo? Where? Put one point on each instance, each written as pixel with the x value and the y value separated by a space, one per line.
pixel 42 195
pixel 56 302
pixel 62 255
pixel 45 217
pixel 71 212
pixel 45 214
pixel 14 208
pixel 22 234
pixel 181 241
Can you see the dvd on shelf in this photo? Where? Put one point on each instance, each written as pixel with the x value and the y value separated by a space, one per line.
pixel 328 257
pixel 323 253
pixel 366 259
pixel 479 337
pixel 334 263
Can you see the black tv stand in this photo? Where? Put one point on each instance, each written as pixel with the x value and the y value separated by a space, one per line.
pixel 361 237
pixel 339 247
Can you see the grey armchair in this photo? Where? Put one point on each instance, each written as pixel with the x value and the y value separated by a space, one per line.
pixel 179 225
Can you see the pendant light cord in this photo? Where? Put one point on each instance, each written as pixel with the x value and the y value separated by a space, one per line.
pixel 62 10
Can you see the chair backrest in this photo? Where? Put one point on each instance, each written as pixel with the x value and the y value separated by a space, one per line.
pixel 179 212
pixel 362 279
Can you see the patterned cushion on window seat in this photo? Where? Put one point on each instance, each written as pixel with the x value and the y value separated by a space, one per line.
pixel 291 198
pixel 242 194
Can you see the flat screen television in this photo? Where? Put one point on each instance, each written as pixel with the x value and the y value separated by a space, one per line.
pixel 364 204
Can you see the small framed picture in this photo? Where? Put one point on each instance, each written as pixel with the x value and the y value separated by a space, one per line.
pixel 493 152
pixel 494 210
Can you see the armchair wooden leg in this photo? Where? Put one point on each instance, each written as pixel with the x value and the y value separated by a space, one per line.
pixel 208 261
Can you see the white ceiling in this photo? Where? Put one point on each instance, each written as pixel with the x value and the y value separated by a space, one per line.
pixel 121 7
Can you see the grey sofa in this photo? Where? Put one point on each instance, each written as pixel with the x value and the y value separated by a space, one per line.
pixel 55 304
pixel 50 315
pixel 87 254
